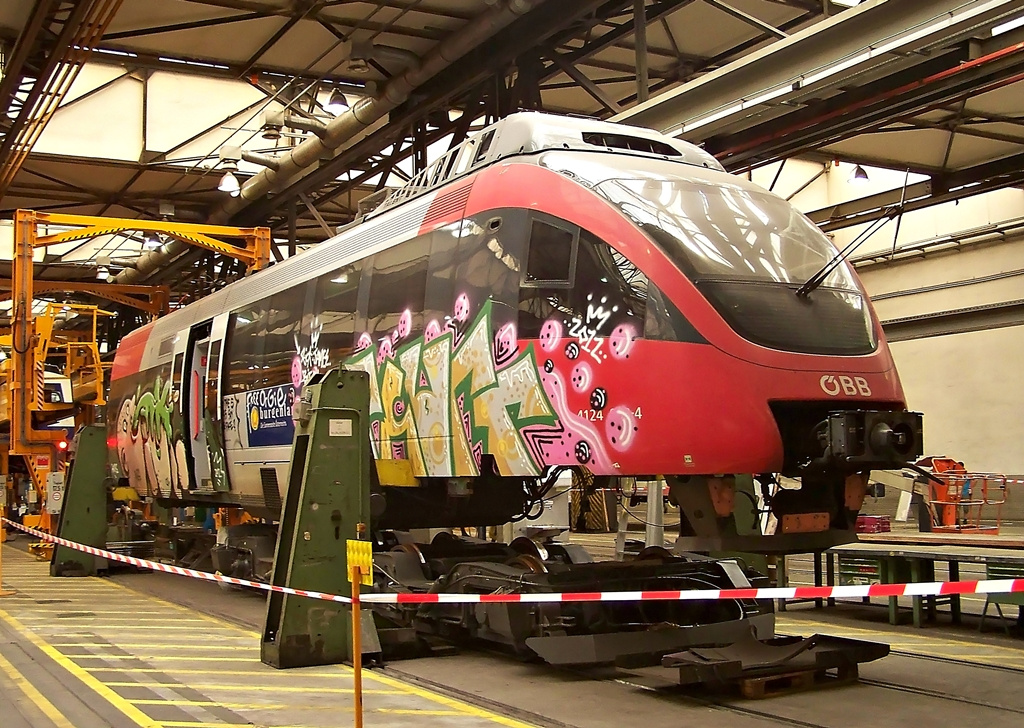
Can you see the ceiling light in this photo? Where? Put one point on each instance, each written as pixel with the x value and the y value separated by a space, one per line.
pixel 847 3
pixel 1008 26
pixel 229 183
pixel 338 103
pixel 859 176
pixel 340 278
pixel 152 242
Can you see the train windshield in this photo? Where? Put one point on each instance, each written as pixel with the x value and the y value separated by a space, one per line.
pixel 726 231
pixel 748 252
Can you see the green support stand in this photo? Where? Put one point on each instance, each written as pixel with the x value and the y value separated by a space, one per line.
pixel 83 517
pixel 328 497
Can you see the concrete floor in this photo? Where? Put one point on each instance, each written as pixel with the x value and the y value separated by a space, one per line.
pixel 87 653
pixel 159 650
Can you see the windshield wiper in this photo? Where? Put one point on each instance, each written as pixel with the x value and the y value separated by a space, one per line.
pixel 818 278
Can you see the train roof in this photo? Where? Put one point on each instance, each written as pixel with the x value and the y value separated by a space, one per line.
pixel 530 132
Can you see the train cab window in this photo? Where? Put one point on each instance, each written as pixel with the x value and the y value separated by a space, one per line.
pixel 398 285
pixel 336 310
pixel 664 320
pixel 552 253
pixel 607 291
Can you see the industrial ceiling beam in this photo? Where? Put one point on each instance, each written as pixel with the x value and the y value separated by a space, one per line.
pixel 997 174
pixel 475 68
pixel 872 106
pixel 154 300
pixel 358 118
pixel 789 62
pixel 78 25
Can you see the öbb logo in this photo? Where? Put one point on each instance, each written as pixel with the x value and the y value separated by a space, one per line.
pixel 850 386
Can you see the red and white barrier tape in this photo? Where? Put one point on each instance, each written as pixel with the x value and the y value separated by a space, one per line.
pixel 157 566
pixel 935 588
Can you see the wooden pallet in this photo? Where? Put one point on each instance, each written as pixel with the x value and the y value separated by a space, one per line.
pixel 768 686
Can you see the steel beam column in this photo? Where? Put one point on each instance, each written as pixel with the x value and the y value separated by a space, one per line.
pixel 640 36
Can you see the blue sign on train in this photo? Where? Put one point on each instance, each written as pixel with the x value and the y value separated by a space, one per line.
pixel 269 416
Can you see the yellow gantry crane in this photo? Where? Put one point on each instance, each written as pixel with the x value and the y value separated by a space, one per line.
pixel 35 340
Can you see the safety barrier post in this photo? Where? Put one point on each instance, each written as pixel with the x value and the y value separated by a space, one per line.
pixel 357 649
pixel 3 532
pixel 359 557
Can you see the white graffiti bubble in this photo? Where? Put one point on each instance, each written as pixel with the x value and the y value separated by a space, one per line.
pixel 581 377
pixel 620 428
pixel 622 339
pixel 550 335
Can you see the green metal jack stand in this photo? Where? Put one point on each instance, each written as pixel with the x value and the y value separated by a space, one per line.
pixel 328 497
pixel 83 517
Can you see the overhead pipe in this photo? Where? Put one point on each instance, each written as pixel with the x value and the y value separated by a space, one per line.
pixel 347 125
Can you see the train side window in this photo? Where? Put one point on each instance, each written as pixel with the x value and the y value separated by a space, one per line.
pixel 399 284
pixel 246 346
pixel 336 310
pixel 283 333
pixel 490 248
pixel 444 258
pixel 552 253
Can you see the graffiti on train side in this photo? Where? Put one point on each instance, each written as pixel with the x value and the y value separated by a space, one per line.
pixel 468 387
pixel 150 445
pixel 443 399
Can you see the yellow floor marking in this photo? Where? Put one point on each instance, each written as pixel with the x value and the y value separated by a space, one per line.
pixel 414 711
pixel 84 614
pixel 54 609
pixel 189 671
pixel 214 704
pixel 120 628
pixel 197 724
pixel 35 697
pixel 157 645
pixel 188 658
pixel 275 688
pixel 130 711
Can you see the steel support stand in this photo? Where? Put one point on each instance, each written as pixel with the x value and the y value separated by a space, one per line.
pixel 83 517
pixel 655 527
pixel 328 497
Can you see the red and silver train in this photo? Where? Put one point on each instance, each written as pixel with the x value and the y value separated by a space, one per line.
pixel 554 292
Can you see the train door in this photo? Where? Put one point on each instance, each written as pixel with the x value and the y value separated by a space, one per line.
pixel 195 407
pixel 201 410
pixel 213 415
